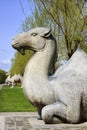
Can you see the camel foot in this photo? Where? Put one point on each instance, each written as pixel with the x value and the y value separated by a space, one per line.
pixel 39 118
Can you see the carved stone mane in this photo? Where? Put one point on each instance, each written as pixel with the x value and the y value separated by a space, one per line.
pixel 61 97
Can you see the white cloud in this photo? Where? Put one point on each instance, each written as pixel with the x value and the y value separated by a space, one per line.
pixel 5 64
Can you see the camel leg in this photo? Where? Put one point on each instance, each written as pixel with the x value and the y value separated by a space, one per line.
pixel 59 112
pixel 12 85
pixel 39 112
pixel 73 112
pixel 54 113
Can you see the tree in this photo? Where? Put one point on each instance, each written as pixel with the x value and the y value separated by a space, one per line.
pixel 68 16
pixel 2 76
pixel 19 62
pixel 65 17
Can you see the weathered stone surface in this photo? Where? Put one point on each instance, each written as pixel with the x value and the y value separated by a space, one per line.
pixel 28 121
pixel 40 125
pixel 63 94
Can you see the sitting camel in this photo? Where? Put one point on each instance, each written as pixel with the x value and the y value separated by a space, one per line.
pixel 61 97
pixel 17 78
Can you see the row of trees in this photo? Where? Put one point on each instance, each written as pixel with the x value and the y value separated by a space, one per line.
pixel 68 21
pixel 2 76
pixel 19 62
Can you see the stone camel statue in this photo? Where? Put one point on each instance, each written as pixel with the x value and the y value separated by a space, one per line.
pixel 16 78
pixel 61 97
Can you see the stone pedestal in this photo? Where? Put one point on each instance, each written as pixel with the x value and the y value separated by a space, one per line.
pixel 39 125
pixel 29 121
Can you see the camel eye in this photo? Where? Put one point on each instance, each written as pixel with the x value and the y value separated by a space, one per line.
pixel 34 34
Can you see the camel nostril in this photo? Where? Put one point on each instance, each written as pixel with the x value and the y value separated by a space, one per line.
pixel 16 45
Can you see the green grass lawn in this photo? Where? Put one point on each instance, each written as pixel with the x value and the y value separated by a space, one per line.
pixel 13 100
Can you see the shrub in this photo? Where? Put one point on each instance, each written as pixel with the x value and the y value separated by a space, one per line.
pixel 2 76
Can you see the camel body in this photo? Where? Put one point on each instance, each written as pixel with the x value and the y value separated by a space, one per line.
pixel 61 97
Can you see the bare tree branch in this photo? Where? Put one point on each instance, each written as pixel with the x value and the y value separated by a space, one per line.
pixel 22 8
pixel 58 23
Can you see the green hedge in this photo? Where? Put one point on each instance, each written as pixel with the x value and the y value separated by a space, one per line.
pixel 2 76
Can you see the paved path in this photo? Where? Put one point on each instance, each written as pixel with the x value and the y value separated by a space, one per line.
pixel 1 85
pixel 29 121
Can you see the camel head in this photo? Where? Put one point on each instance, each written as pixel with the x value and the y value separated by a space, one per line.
pixel 35 39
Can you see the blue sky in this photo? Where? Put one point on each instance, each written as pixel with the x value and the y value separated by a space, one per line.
pixel 11 18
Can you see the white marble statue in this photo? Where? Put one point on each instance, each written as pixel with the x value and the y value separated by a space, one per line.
pixel 61 97
pixel 8 80
pixel 13 80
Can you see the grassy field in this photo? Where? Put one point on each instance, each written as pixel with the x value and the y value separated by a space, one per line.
pixel 13 100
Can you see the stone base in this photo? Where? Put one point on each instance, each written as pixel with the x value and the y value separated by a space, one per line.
pixel 29 121
pixel 39 125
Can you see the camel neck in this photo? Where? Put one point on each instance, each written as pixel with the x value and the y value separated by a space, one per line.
pixel 35 80
pixel 39 64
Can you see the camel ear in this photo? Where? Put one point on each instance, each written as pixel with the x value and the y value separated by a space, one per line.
pixel 46 33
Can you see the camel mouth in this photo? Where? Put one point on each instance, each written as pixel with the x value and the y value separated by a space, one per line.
pixel 22 49
pixel 19 48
